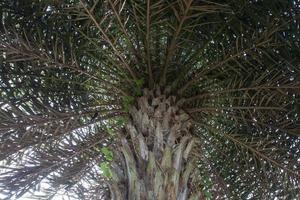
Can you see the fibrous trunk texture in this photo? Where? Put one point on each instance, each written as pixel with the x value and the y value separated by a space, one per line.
pixel 155 153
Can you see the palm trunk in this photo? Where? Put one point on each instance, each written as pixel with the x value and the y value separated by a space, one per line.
pixel 155 155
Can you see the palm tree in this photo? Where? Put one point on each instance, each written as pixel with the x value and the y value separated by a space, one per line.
pixel 154 99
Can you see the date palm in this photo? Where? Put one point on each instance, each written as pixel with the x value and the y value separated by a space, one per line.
pixel 114 99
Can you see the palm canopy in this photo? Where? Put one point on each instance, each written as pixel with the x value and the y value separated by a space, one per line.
pixel 71 69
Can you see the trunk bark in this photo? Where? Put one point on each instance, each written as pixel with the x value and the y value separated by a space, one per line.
pixel 155 154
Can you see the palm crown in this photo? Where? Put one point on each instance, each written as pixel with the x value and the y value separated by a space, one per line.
pixel 72 70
